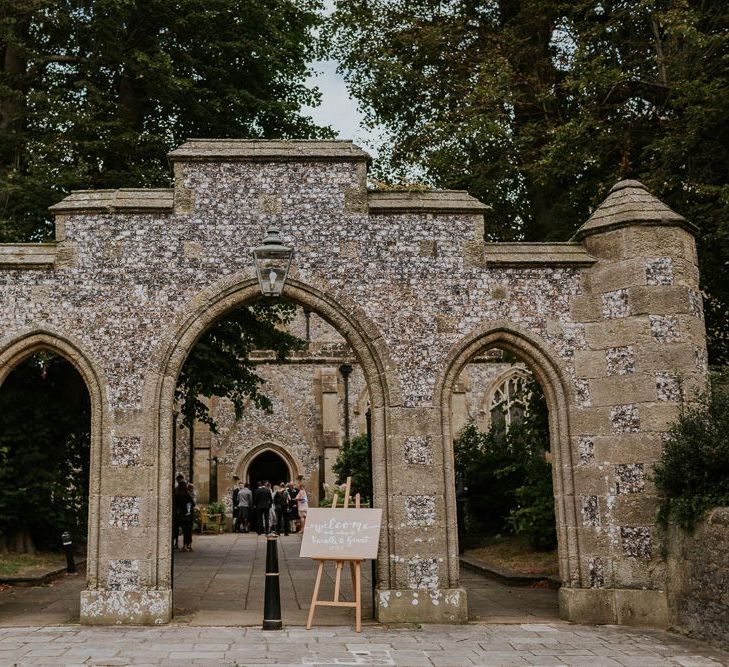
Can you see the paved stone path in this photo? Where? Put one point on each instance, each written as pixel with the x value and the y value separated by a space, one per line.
pixel 429 646
pixel 221 583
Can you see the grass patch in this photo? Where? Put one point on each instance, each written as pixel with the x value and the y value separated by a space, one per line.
pixel 28 565
pixel 514 553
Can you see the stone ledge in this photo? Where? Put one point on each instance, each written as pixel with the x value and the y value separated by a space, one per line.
pixel 440 605
pixel 28 255
pixel 236 150
pixel 525 254
pixel 508 577
pixel 435 201
pixel 614 606
pixel 125 200
pixel 142 607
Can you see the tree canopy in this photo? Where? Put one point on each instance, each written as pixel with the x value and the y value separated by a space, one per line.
pixel 45 414
pixel 220 363
pixel 537 107
pixel 93 93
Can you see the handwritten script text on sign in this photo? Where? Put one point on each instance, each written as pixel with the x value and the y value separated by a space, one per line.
pixel 341 533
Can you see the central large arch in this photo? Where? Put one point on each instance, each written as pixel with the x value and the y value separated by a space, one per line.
pixel 543 362
pixel 210 305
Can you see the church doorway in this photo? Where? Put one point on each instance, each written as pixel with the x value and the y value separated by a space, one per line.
pixel 268 466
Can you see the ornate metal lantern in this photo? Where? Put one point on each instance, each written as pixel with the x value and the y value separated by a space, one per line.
pixel 272 260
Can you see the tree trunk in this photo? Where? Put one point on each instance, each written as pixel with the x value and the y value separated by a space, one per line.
pixel 17 541
pixel 12 114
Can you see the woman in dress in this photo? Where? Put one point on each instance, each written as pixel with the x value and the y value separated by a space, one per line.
pixel 302 503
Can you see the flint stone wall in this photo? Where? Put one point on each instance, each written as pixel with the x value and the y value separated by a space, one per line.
pixel 698 581
pixel 605 322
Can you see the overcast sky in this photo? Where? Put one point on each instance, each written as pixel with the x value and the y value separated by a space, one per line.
pixel 337 108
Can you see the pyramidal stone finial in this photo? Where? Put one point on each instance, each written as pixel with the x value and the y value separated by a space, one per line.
pixel 629 203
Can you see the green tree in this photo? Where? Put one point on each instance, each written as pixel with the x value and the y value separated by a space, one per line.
pixel 45 415
pixel 93 93
pixel 507 477
pixel 220 364
pixel 538 106
pixel 355 461
pixel 692 475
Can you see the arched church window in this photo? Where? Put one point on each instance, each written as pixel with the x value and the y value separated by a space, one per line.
pixel 508 400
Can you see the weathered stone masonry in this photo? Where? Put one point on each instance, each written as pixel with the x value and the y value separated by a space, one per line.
pixel 610 323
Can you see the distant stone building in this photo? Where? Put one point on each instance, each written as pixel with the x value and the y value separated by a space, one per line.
pixel 300 438
pixel 610 323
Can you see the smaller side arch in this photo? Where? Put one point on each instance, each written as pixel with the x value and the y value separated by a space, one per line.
pixel 15 351
pixel 544 363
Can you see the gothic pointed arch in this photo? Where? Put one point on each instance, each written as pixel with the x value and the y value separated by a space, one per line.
pixel 18 349
pixel 214 302
pixel 547 368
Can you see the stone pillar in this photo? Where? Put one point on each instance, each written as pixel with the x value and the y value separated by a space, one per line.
pixel 459 405
pixel 420 583
pixel 644 354
pixel 124 586
pixel 331 435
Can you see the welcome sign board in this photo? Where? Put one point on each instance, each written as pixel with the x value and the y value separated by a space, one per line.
pixel 333 533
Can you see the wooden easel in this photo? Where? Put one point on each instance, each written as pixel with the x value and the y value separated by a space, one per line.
pixel 355 569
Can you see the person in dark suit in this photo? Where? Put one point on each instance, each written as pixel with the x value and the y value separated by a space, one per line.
pixel 183 506
pixel 262 501
pixel 236 513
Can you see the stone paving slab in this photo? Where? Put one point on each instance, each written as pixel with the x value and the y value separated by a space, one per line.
pixel 427 646
pixel 221 583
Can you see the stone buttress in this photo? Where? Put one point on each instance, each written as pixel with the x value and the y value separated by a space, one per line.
pixel 644 354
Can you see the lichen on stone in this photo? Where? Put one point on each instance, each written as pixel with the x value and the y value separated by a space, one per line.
pixel 123 575
pixel 422 573
pixel 586 449
pixel 636 541
pixel 615 304
pixel 664 328
pixel 620 360
pixel 419 450
pixel 668 386
pixel 596 572
pixel 124 511
pixel 125 450
pixel 590 511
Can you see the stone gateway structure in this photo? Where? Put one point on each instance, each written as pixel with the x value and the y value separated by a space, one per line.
pixel 610 323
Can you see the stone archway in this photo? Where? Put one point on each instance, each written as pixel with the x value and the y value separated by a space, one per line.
pixel 543 362
pixel 234 292
pixel 246 460
pixel 19 349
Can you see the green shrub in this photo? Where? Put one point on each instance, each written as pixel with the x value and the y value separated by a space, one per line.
pixel 45 416
pixel 692 475
pixel 354 461
pixel 508 479
pixel 218 507
pixel 534 515
pixel 490 472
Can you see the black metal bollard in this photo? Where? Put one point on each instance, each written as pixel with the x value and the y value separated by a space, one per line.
pixel 68 547
pixel 272 601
